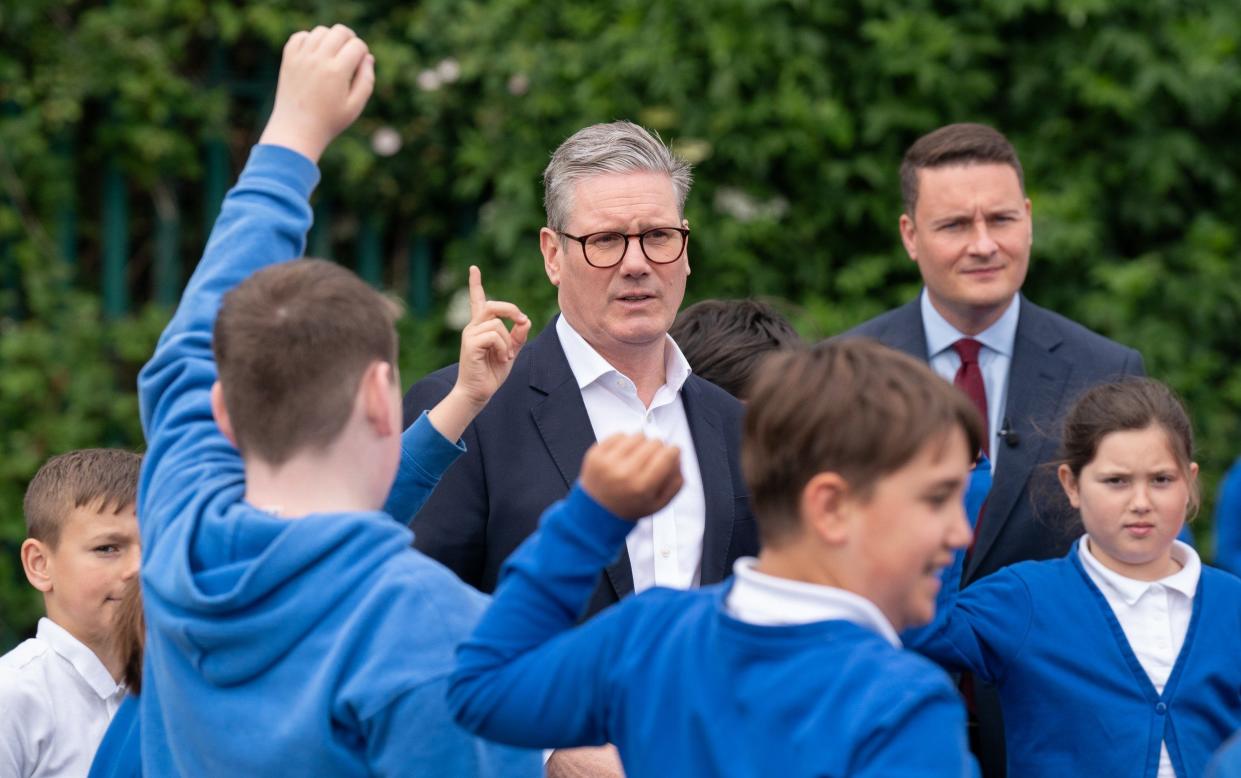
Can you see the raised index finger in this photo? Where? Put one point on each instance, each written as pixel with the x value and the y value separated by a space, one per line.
pixel 478 298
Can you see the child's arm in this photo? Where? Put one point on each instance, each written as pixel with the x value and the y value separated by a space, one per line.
pixel 326 77
pixel 488 350
pixel 980 629
pixel 527 676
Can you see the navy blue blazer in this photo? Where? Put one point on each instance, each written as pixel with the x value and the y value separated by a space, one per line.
pixel 1054 361
pixel 525 450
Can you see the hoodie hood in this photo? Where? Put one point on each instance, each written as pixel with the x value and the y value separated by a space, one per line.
pixel 235 596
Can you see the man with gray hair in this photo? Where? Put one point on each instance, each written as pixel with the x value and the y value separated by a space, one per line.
pixel 616 248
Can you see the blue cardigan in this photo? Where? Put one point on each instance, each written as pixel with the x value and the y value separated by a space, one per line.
pixel 1076 701
pixel 683 688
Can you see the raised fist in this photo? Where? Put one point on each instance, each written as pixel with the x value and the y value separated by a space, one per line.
pixel 632 475
pixel 326 77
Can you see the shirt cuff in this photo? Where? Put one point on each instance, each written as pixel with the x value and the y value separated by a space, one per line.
pixel 434 452
pixel 283 164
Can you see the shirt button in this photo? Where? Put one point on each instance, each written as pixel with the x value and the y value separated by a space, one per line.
pixel 664 552
pixel 1160 708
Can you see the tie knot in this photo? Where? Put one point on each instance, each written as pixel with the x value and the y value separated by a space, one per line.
pixel 967 349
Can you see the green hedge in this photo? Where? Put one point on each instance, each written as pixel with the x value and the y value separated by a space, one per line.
pixel 795 113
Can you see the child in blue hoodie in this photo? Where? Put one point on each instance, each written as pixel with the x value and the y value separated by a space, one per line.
pixel 1120 659
pixel 291 629
pixel 856 458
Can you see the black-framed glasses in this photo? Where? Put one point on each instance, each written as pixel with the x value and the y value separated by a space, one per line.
pixel 661 245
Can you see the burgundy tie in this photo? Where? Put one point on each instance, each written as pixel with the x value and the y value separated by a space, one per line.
pixel 969 380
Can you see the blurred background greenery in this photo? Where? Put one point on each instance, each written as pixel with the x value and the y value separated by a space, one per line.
pixel 122 124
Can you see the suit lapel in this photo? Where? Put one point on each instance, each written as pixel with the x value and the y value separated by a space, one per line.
pixel 717 487
pixel 1036 384
pixel 906 331
pixel 560 417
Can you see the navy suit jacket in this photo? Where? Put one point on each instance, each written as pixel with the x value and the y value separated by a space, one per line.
pixel 1054 361
pixel 524 451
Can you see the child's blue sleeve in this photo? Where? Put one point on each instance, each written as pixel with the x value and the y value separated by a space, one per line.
pixel 263 221
pixel 417 729
pixel 980 629
pixel 527 676
pixel 924 735
pixel 1228 521
pixel 425 455
pixel 976 493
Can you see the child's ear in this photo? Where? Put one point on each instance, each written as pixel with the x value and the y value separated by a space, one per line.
pixel 36 561
pixel 220 412
pixel 825 508
pixel 376 389
pixel 1068 482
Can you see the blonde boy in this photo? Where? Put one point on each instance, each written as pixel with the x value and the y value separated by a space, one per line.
pixel 59 689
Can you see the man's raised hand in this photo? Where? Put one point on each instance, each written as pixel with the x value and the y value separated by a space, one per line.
pixel 326 77
pixel 488 350
pixel 632 475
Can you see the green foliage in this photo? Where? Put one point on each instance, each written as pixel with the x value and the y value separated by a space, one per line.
pixel 795 113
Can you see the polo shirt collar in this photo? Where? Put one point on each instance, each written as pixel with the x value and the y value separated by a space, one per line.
pixel 1130 590
pixel 785 601
pixel 940 335
pixel 79 656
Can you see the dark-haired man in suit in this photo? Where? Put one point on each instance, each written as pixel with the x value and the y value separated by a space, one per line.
pixel 967 225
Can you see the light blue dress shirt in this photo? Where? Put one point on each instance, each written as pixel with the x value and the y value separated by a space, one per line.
pixel 994 359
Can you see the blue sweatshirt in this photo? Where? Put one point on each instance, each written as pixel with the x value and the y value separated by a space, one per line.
pixel 320 645
pixel 1227 761
pixel 683 688
pixel 1228 521
pixel 1075 698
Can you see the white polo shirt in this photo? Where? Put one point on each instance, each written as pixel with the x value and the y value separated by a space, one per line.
pixel 56 699
pixel 665 549
pixel 1154 615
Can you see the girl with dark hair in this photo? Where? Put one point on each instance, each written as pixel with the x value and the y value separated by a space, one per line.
pixel 1119 659
pixel 119 754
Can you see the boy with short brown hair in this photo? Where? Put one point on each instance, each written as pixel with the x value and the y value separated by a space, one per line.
pixel 856 458
pixel 291 629
pixel 59 690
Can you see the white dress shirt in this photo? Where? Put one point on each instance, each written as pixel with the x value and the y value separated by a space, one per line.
pixel 56 699
pixel 665 549
pixel 994 359
pixel 1153 614
pixel 758 598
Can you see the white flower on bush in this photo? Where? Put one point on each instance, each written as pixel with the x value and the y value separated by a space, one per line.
pixel 457 315
pixel 518 84
pixel 429 80
pixel 385 141
pixel 449 70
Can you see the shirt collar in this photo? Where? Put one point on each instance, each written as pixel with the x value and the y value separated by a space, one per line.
pixel 1131 590
pixel 589 366
pixel 83 660
pixel 940 335
pixel 770 600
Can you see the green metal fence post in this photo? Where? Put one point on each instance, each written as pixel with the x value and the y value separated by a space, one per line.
pixel 419 295
pixel 370 249
pixel 115 240
pixel 167 271
pixel 320 243
pixel 66 218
